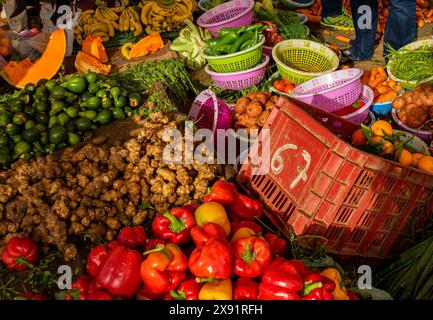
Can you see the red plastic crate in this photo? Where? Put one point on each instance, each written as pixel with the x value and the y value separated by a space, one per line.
pixel 361 203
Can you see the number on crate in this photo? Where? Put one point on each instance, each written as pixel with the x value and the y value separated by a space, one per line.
pixel 277 163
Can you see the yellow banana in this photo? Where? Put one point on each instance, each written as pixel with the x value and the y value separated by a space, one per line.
pixel 145 12
pixel 115 25
pixel 111 31
pixel 134 14
pixel 126 26
pixel 99 16
pixel 109 14
pixel 117 9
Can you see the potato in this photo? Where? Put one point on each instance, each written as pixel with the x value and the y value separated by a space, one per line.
pixel 269 105
pixel 241 105
pixel 261 120
pixel 408 97
pixel 254 109
pixel 398 103
pixel 258 96
pixel 274 99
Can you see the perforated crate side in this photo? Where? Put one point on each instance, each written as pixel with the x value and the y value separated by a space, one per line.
pixel 360 202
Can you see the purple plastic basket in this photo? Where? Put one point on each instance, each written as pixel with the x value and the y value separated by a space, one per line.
pixel 427 136
pixel 359 116
pixel 237 13
pixel 331 92
pixel 209 112
pixel 239 80
pixel 268 51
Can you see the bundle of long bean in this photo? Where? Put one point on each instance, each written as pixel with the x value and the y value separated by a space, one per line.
pixel 411 65
pixel 171 74
pixel 411 276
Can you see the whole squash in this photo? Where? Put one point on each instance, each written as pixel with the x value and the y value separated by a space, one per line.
pixel 23 72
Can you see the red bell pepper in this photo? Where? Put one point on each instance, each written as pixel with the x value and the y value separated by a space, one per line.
pixel 252 257
pixel 145 294
pixel 20 253
pixel 201 235
pixel 222 192
pixel 317 287
pixel 278 245
pixel 97 256
pixel 213 260
pixel 186 290
pixel 174 226
pixel 352 295
pixel 164 268
pixel 245 208
pixel 191 207
pixel 120 272
pixel 31 296
pixel 245 289
pixel 80 288
pixel 132 237
pixel 96 259
pixel 152 243
pixel 99 294
pixel 236 225
pixel 282 280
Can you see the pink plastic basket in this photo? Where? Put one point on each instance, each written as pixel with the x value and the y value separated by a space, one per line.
pixel 237 13
pixel 331 92
pixel 427 136
pixel 359 116
pixel 239 80
pixel 209 112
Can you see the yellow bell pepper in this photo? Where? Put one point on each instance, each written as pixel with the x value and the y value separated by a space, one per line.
pixel 333 274
pixel 216 290
pixel 212 212
pixel 243 232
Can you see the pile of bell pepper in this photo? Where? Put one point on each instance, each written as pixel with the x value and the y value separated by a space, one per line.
pixel 212 251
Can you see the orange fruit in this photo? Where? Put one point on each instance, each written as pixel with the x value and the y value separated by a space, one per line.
pixel 380 128
pixel 416 157
pixel 358 138
pixel 385 146
pixel 425 164
pixel 404 157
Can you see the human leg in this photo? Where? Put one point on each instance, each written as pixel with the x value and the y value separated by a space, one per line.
pixel 365 19
pixel 401 24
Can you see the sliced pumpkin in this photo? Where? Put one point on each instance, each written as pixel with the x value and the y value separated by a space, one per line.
pixel 23 72
pixel 94 46
pixel 149 44
pixel 85 62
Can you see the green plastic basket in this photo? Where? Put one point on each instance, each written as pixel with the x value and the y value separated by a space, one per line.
pixel 239 61
pixel 411 46
pixel 301 60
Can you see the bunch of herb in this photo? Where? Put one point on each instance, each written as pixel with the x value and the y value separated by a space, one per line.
pixel 148 77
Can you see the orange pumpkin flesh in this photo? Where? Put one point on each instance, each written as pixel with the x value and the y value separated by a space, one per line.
pixel 93 45
pixel 46 67
pixel 85 62
pixel 149 44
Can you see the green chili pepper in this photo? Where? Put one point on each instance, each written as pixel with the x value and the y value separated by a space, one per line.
pixel 245 37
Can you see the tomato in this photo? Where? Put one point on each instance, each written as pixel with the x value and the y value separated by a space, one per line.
pixel 279 85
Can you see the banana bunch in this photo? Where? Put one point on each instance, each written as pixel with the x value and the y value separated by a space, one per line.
pixel 166 15
pixel 102 21
pixel 130 21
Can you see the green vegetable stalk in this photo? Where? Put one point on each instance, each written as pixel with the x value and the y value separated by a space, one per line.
pixel 189 45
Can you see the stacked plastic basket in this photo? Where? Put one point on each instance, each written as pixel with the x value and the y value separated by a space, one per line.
pixel 238 70
pixel 336 92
